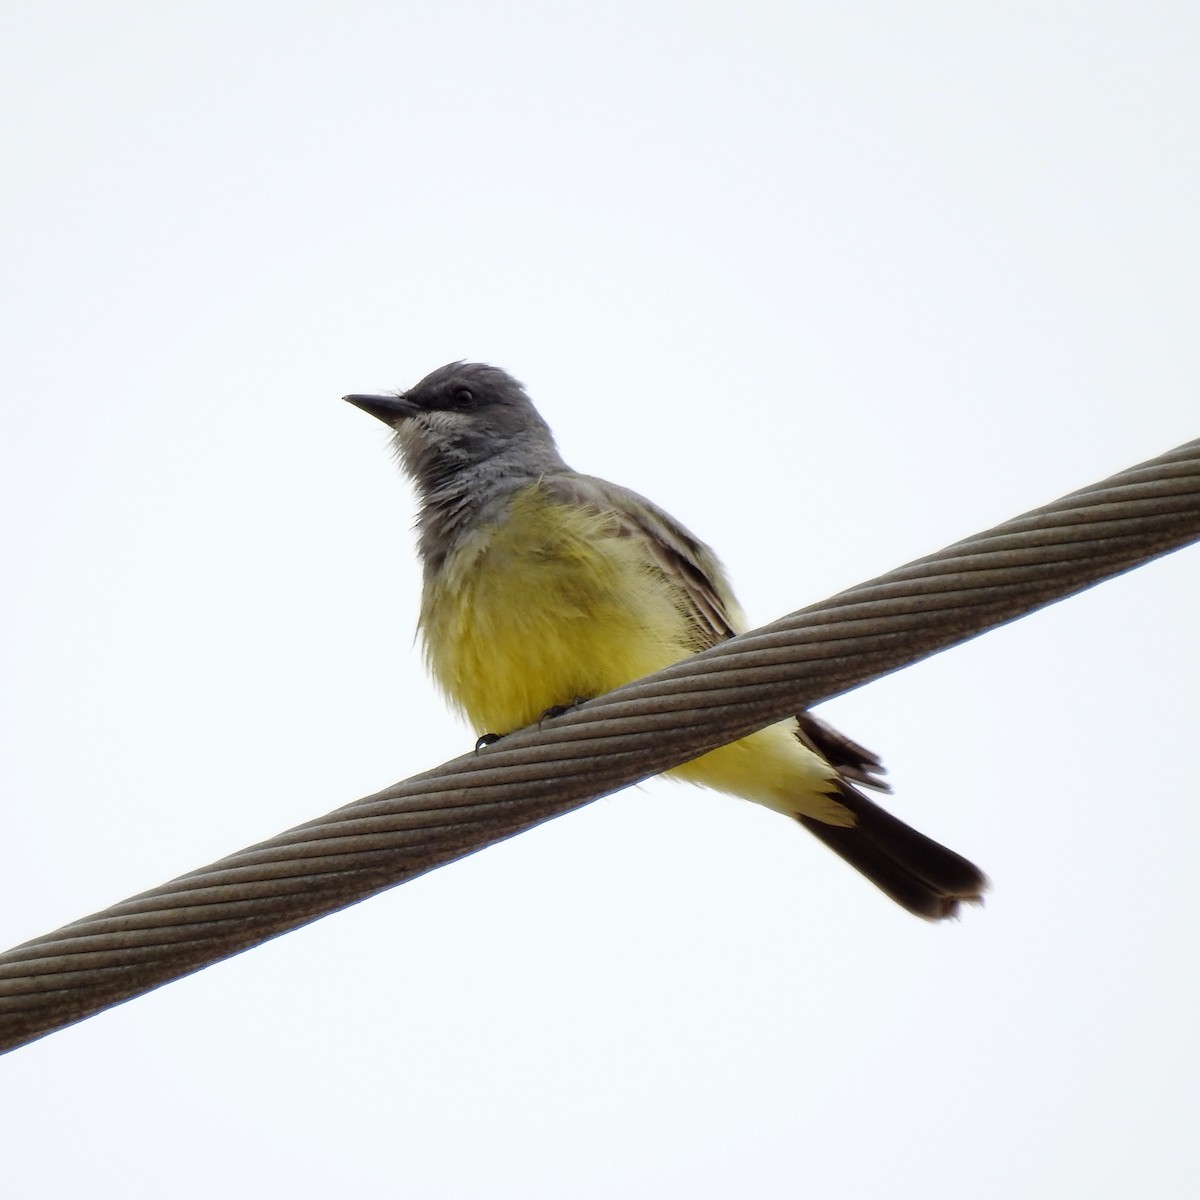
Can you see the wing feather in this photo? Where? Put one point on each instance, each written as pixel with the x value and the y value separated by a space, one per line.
pixel 693 572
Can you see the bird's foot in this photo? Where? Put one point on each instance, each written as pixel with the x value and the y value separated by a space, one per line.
pixel 486 739
pixel 557 710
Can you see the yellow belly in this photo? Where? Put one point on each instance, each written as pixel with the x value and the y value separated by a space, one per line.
pixel 542 609
pixel 551 605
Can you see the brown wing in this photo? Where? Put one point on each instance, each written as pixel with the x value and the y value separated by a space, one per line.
pixel 706 599
pixel 915 871
pixel 846 756
pixel 694 572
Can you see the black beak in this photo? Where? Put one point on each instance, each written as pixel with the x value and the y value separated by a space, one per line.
pixel 389 409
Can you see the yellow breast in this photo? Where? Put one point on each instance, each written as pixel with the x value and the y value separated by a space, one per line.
pixel 546 605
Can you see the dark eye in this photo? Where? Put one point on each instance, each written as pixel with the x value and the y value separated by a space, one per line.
pixel 463 398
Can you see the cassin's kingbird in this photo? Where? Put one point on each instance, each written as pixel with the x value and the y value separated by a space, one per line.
pixel 542 586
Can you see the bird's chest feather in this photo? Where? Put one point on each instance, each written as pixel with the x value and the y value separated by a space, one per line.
pixel 543 606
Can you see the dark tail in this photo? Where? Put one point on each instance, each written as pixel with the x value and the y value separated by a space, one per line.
pixel 917 872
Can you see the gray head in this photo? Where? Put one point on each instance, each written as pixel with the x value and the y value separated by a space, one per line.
pixel 465 423
pixel 469 436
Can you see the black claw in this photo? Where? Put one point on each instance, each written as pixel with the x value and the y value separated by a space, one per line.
pixel 557 710
pixel 486 739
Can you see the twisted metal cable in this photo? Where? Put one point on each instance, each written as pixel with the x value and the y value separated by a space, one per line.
pixel 639 730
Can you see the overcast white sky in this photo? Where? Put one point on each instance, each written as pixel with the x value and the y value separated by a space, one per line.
pixel 836 284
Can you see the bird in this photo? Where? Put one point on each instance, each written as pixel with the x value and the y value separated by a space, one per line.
pixel 543 586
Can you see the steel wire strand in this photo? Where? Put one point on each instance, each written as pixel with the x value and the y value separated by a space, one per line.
pixel 638 730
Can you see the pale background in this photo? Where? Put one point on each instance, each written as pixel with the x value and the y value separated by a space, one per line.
pixel 835 283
